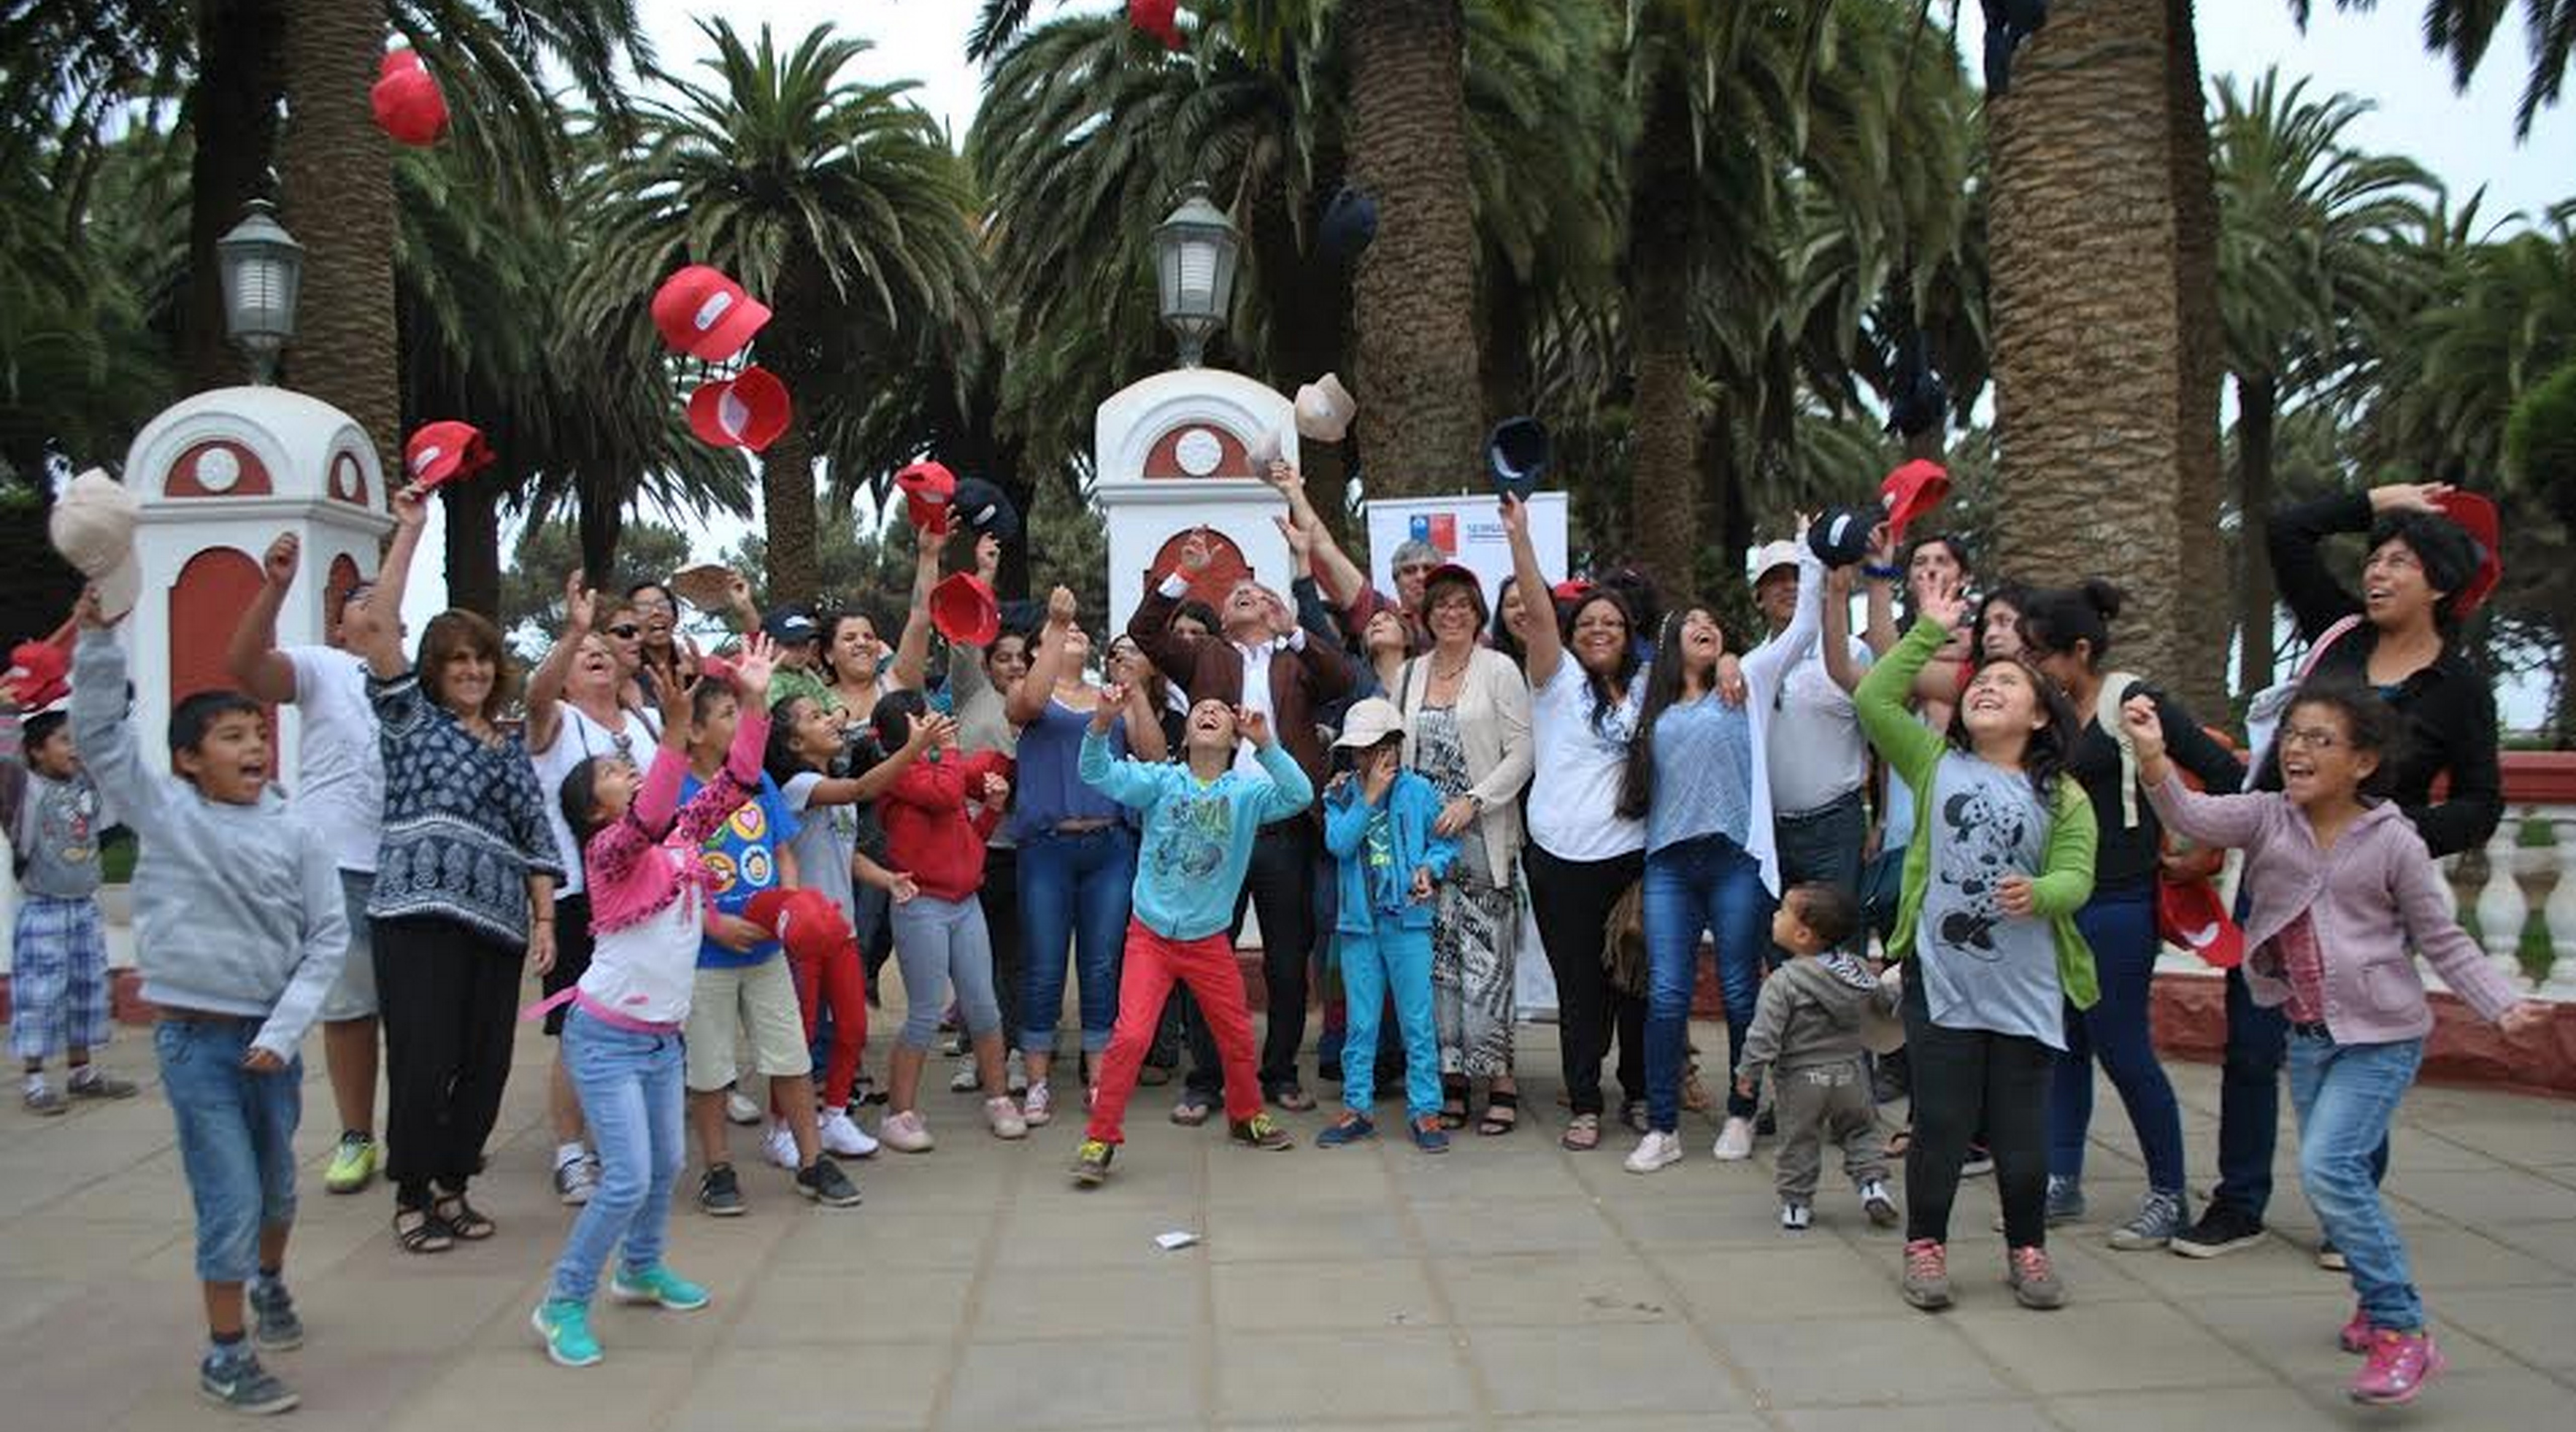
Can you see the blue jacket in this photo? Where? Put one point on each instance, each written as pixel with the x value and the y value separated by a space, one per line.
pixel 1412 805
pixel 1198 834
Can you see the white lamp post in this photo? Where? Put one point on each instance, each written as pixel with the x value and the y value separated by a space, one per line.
pixel 263 267
pixel 1194 258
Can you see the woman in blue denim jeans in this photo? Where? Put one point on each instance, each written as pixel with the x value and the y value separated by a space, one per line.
pixel 1077 858
pixel 1697 776
pixel 2341 886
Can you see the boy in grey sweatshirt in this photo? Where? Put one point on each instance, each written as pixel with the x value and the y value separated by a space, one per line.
pixel 1807 1031
pixel 240 929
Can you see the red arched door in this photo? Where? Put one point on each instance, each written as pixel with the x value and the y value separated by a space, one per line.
pixel 208 598
pixel 1221 575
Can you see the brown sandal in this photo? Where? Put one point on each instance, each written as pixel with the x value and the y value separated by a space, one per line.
pixel 461 1217
pixel 1502 1113
pixel 1582 1135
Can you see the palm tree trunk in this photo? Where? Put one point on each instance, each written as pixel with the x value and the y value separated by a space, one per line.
pixel 1309 301
pixel 2088 330
pixel 474 542
pixel 2257 406
pixel 2201 678
pixel 232 115
pixel 1505 370
pixel 336 173
pixel 1417 282
pixel 787 507
pixel 1664 479
pixel 601 517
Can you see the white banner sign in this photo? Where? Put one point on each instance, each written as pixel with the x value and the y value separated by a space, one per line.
pixel 1468 531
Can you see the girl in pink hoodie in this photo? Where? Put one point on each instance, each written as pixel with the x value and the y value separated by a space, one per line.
pixel 2341 888
pixel 621 1042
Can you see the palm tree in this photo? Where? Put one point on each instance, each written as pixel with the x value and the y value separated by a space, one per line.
pixel 2099 393
pixel 1416 285
pixel 2314 267
pixel 838 202
pixel 2462 30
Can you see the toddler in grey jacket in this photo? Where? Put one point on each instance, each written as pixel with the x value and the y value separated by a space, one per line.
pixel 1806 1034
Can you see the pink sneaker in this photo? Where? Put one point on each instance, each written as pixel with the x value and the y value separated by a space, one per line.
pixel 2355 1337
pixel 2400 1364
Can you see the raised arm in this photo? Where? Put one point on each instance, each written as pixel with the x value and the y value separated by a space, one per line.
pixel 374 631
pixel 1909 747
pixel 1546 645
pixel 1174 655
pixel 1143 724
pixel 546 684
pixel 1130 783
pixel 104 731
pixel 1025 702
pixel 1319 554
pixel 1766 667
pixel 2294 539
pixel 912 652
pixel 2223 820
pixel 251 657
pixel 1290 791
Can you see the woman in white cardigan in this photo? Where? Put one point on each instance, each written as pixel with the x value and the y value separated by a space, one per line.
pixel 1467 728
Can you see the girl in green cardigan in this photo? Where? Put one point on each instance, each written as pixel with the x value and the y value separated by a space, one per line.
pixel 2001 859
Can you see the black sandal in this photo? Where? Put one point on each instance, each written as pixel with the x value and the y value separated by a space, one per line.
pixel 1502 1113
pixel 1453 1104
pixel 428 1234
pixel 461 1218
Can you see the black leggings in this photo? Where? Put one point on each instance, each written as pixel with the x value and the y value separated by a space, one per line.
pixel 449 996
pixel 1964 1080
pixel 1572 900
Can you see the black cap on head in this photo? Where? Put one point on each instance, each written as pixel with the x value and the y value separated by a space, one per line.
pixel 791 626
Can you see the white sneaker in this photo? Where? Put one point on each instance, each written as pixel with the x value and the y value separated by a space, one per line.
pixel 1015 1074
pixel 842 1136
pixel 780 1146
pixel 965 1080
pixel 740 1108
pixel 1654 1151
pixel 1875 1202
pixel 1735 1141
pixel 1039 1107
pixel 1794 1218
pixel 1004 1116
pixel 905 1133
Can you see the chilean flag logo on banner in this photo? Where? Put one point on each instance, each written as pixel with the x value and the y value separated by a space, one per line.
pixel 1440 529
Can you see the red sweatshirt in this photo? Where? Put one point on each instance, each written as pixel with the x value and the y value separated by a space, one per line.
pixel 932 832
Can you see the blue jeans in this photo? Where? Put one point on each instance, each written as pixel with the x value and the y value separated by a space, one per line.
pixel 1390 958
pixel 2120 925
pixel 236 1138
pixel 2249 1099
pixel 1073 890
pixel 631 1097
pixel 2346 1096
pixel 1707 883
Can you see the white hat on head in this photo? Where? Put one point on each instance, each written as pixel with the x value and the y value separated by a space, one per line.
pixel 1771 556
pixel 1369 722
pixel 93 528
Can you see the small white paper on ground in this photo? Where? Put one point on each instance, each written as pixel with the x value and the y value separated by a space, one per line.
pixel 1176 1239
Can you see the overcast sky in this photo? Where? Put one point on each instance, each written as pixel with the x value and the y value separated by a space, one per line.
pixel 2465 140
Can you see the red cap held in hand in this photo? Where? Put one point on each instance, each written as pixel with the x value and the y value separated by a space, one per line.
pixel 929 490
pixel 2477 516
pixel 1916 488
pixel 440 453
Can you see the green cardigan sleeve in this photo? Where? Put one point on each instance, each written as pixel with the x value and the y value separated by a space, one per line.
pixel 1903 742
pixel 2064 886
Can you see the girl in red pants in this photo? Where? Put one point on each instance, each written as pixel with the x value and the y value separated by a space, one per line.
pixel 802 743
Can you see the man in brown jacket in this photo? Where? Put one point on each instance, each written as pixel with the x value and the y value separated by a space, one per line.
pixel 1263 660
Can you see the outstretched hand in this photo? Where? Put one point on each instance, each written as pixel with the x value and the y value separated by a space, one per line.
pixel 278 566
pixel 1252 726
pixel 411 505
pixel 1945 601
pixel 674 691
pixel 2425 497
pixel 581 604
pixel 1197 554
pixel 2146 728
pixel 752 669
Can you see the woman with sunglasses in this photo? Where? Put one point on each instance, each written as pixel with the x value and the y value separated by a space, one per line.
pixel 576 712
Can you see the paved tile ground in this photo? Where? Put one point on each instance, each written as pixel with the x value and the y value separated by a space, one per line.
pixel 1506 1286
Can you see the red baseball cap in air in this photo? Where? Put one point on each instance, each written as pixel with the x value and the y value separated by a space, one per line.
pixel 706 315
pixel 749 409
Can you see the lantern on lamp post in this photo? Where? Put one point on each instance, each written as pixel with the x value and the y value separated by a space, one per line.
pixel 263 267
pixel 1195 250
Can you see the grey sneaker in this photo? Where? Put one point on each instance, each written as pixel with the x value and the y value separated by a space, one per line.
pixel 46 1099
pixel 92 1082
pixel 274 1325
pixel 2065 1202
pixel 2161 1215
pixel 824 1183
pixel 2034 1279
pixel 720 1193
pixel 242 1385
pixel 576 1179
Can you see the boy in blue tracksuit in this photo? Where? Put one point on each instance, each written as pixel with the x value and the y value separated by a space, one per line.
pixel 1201 817
pixel 1379 824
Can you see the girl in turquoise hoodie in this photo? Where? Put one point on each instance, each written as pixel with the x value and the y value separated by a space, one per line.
pixel 1378 824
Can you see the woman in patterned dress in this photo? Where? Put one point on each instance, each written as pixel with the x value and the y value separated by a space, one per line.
pixel 1467 728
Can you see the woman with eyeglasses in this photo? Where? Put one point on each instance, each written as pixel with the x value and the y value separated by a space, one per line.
pixel 575 713
pixel 623 629
pixel 2066 633
pixel 2401 637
